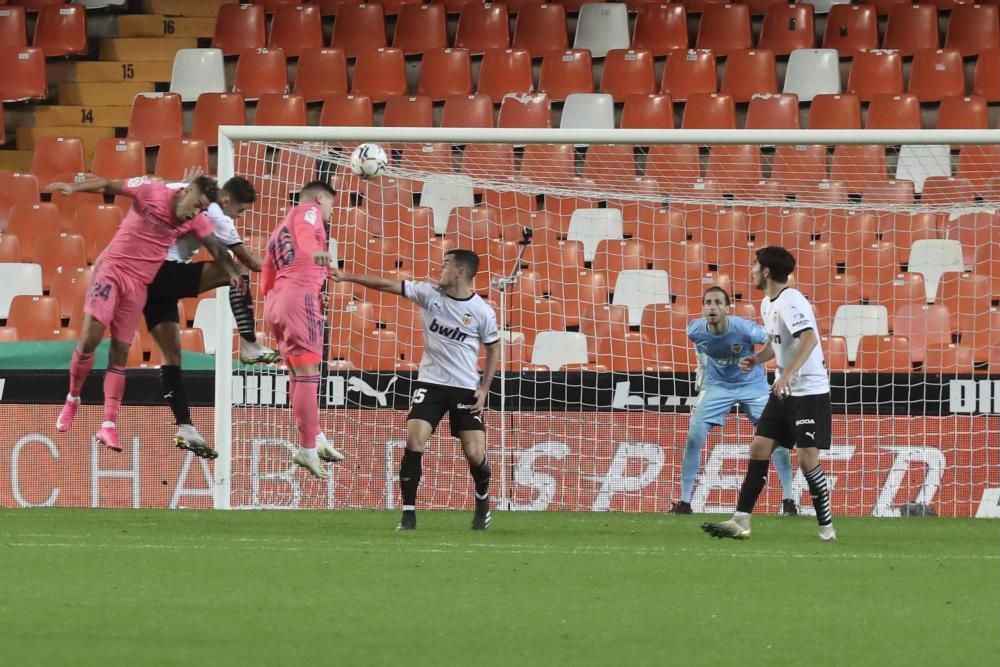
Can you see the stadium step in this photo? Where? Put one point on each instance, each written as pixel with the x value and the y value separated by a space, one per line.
pixel 102 94
pixel 144 49
pixel 11 160
pixel 203 8
pixel 26 136
pixel 158 25
pixel 94 71
pixel 82 116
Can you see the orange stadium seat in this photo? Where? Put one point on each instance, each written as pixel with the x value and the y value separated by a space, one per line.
pixel 239 28
pixel 949 359
pixel 271 6
pixel 359 27
pixel 831 112
pixel 673 166
pixel 482 27
pixel 888 111
pixel 473 223
pixel 986 80
pixel 62 252
pixel 420 28
pixel 654 112
pixel 320 72
pixel 980 164
pixel 215 109
pixel 295 28
pixel 530 315
pixel 67 204
pixel 735 168
pixel 610 165
pixel 10 248
pixel 98 224
pixel 566 72
pixel 580 292
pixel 505 71
pixel 773 112
pixel 445 72
pixel 688 72
pixel 8 335
pixel 61 30
pixel 749 72
pixel 945 190
pixel 709 111
pixel 525 111
pixel 936 74
pixel 16 188
pixel 69 287
pixel 851 28
pixel 878 267
pixel 858 165
pixel 467 111
pixel 968 296
pixel 541 28
pixel 275 109
pixel 22 74
pixel 379 74
pixel 544 163
pixel 973 28
pixel 13 29
pixel 347 111
pixel 119 158
pixel 32 315
pixel 156 117
pixel 885 6
pixel 660 28
pixel 874 72
pixel 629 353
pixel 488 161
pixel 724 28
pixel 924 325
pixel 912 27
pixel 56 156
pixel 834 350
pixel 176 156
pixel 260 71
pixel 628 72
pixel 614 256
pixel 963 112
pixel 888 193
pixel 884 354
pixel 807 163
pixel 408 111
pixel 786 28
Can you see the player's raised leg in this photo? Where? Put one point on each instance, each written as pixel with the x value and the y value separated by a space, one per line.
pixel 241 305
pixel 79 369
pixel 418 432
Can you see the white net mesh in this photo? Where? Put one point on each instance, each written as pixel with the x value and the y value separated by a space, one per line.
pixel 896 247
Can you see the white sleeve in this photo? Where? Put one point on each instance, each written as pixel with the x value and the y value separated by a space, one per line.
pixel 796 313
pixel 223 226
pixel 488 332
pixel 417 292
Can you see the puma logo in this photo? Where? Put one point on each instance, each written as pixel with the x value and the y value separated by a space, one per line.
pixel 812 435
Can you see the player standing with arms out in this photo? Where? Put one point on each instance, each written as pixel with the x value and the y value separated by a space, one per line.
pixel 798 410
pixel 180 278
pixel 295 270
pixel 722 341
pixel 122 273
pixel 456 323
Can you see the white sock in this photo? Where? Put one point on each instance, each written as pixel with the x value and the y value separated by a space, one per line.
pixel 108 425
pixel 70 397
pixel 311 453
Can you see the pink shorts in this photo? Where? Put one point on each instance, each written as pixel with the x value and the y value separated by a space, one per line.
pixel 295 319
pixel 116 301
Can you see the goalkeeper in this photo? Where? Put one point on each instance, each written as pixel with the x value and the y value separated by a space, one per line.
pixel 721 340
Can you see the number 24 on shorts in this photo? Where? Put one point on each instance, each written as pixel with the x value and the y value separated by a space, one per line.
pixel 101 291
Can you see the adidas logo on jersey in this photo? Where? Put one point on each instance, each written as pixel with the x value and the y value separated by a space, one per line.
pixel 448 332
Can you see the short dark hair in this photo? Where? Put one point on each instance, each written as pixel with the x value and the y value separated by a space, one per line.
pixel 715 288
pixel 465 259
pixel 208 187
pixel 778 260
pixel 240 189
pixel 313 188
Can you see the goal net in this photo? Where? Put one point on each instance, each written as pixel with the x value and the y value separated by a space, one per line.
pixel 896 247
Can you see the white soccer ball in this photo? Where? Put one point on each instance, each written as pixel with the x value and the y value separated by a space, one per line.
pixel 369 161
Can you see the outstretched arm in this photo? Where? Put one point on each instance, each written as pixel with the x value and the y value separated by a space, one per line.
pixel 765 355
pixel 223 260
pixel 102 185
pixel 391 285
pixel 247 258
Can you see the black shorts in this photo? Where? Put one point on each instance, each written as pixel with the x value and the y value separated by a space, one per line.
pixel 173 282
pixel 797 421
pixel 430 402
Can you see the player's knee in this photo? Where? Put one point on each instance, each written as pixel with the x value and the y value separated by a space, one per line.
pixel 415 444
pixel 117 353
pixel 761 448
pixel 170 357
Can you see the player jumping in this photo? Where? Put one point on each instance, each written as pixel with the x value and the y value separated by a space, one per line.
pixel 456 323
pixel 295 270
pixel 180 278
pixel 798 411
pixel 122 273
pixel 722 341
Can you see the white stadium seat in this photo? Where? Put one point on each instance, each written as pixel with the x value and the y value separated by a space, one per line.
pixel 853 322
pixel 602 27
pixel 555 349
pixel 592 225
pixel 197 71
pixel 932 257
pixel 17 279
pixel 441 195
pixel 588 111
pixel 639 288
pixel 812 72
pixel 918 163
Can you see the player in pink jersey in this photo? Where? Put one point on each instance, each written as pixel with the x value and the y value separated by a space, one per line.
pixel 117 292
pixel 296 266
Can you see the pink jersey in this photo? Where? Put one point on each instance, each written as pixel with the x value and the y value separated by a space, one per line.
pixel 290 248
pixel 149 230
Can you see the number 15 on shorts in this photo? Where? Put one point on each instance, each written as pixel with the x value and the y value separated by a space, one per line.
pixel 419 394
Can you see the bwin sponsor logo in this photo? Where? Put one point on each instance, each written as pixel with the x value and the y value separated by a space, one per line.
pixel 453 333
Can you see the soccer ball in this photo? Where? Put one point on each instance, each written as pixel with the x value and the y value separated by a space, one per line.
pixel 369 161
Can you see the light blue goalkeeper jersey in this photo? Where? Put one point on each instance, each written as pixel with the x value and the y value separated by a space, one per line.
pixel 720 354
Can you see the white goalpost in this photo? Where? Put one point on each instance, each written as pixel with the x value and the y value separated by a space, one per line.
pixel 596 246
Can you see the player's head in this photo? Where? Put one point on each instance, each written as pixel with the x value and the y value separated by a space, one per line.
pixel 195 198
pixel 236 196
pixel 321 194
pixel 715 304
pixel 773 263
pixel 459 268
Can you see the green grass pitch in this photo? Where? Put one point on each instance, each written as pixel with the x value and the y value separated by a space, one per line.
pixel 80 587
